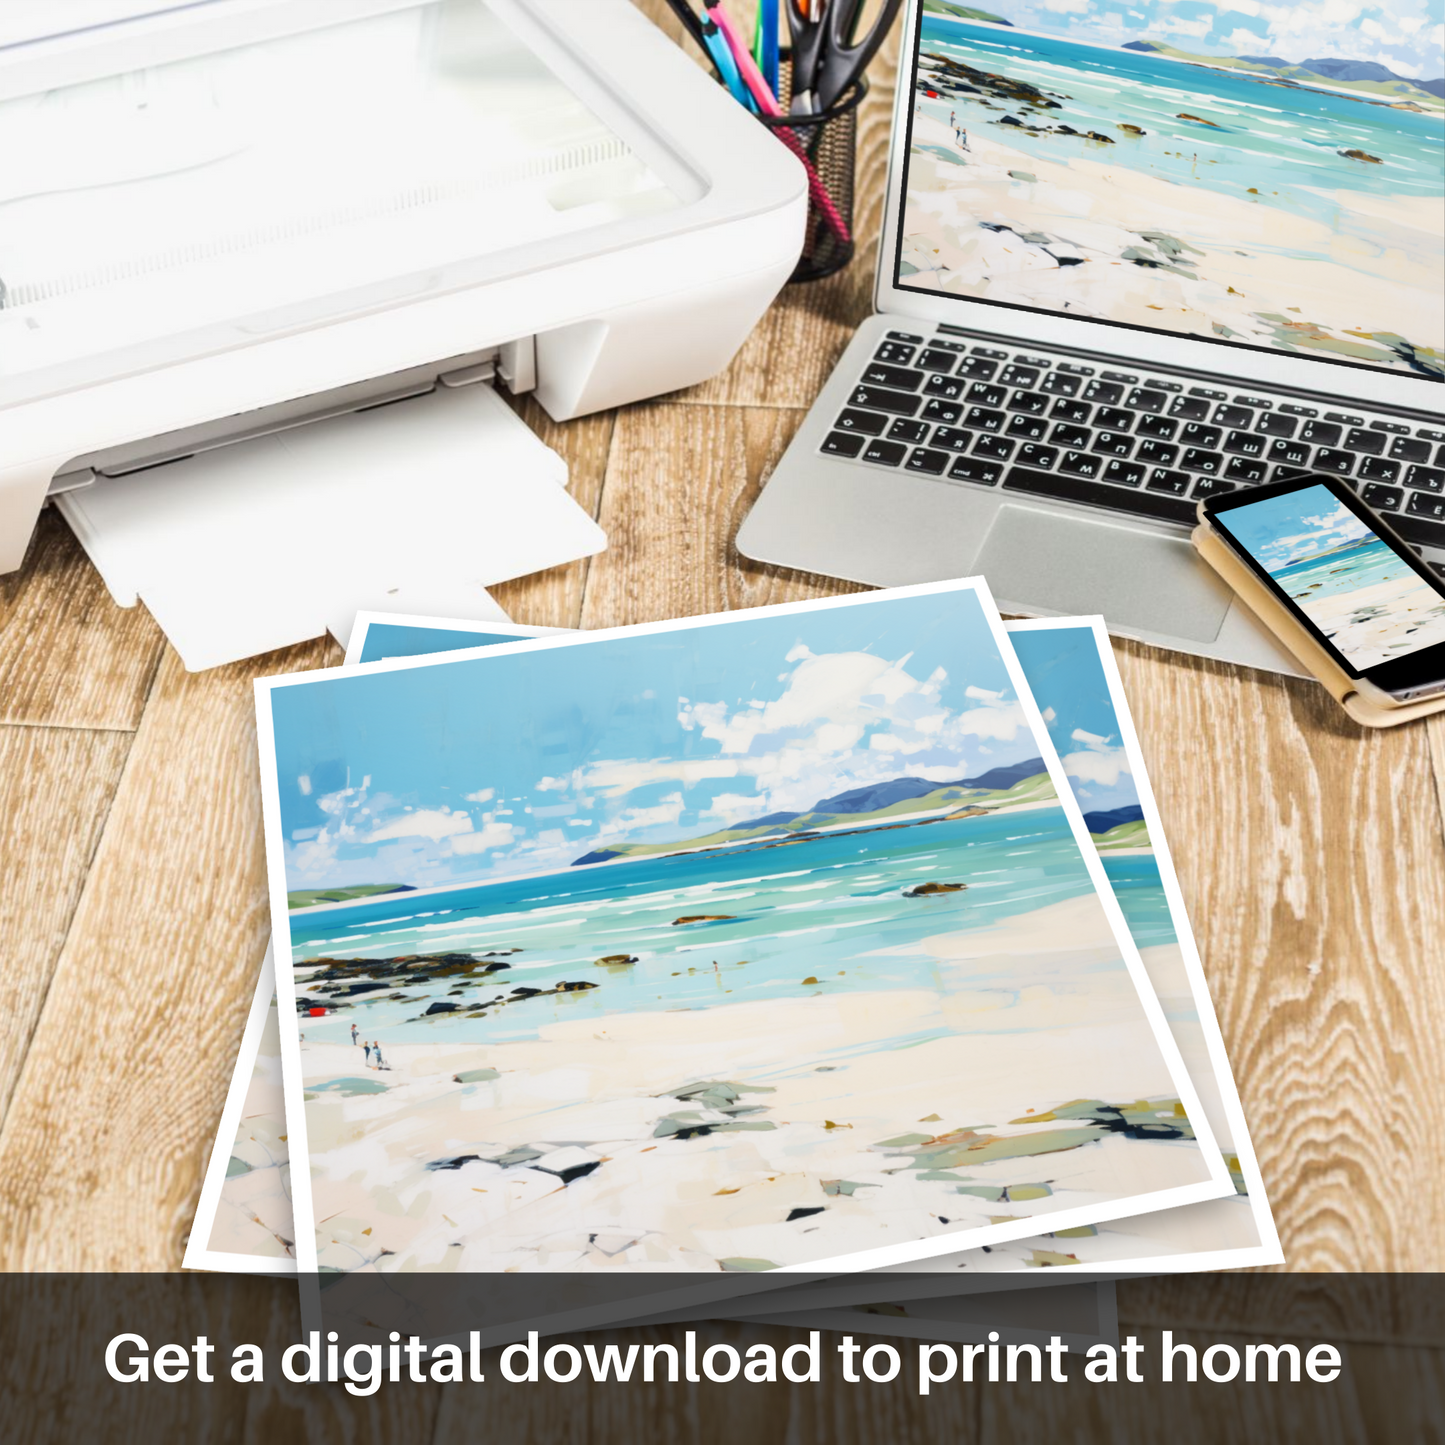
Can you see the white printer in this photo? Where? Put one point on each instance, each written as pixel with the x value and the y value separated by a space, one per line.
pixel 223 220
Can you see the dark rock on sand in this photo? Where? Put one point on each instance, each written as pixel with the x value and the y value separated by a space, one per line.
pixel 565 987
pixel 454 1163
pixel 931 890
pixel 1356 155
pixel 580 1170
pixel 956 76
pixel 1199 120
pixel 617 960
pixel 802 1213
pixel 702 918
pixel 441 1006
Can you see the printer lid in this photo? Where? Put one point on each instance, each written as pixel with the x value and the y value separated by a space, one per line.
pixel 181 178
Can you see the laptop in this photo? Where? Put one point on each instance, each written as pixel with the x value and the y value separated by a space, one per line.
pixel 1119 274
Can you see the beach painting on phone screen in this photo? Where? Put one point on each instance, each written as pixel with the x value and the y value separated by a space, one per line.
pixel 734 944
pixel 1270 175
pixel 1361 595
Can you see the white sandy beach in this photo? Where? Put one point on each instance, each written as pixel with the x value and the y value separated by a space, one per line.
pixel 563 1160
pixel 1377 273
pixel 254 1214
pixel 1373 624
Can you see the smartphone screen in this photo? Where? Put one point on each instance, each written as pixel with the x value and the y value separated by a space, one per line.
pixel 1338 568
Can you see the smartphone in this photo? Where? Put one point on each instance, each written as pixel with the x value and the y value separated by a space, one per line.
pixel 1338 569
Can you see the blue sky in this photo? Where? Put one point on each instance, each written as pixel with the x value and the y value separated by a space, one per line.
pixel 1068 683
pixel 1407 36
pixel 1281 530
pixel 513 763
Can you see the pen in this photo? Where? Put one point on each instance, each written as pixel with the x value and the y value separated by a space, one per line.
pixel 765 42
pixel 688 16
pixel 724 55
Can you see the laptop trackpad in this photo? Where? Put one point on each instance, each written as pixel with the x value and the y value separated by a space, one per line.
pixel 1071 565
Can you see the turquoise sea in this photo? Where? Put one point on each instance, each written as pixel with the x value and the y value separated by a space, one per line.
pixel 1337 574
pixel 824 908
pixel 1284 143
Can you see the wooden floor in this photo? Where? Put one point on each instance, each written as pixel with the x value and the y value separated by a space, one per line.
pixel 1311 852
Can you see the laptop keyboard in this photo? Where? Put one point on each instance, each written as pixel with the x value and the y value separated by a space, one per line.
pixel 1145 444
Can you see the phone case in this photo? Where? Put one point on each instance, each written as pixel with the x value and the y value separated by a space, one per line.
pixel 1341 686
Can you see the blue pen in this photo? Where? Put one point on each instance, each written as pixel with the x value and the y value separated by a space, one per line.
pixel 727 67
pixel 768 29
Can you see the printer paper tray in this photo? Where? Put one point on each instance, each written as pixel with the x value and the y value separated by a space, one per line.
pixel 417 506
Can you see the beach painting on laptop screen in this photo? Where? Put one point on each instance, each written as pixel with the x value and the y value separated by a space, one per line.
pixel 1271 175
pixel 734 944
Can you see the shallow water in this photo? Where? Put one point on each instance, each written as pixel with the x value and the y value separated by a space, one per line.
pixel 823 908
pixel 1284 143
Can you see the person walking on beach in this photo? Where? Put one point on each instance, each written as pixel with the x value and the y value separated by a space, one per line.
pixel 376 1048
pixel 366 1049
pixel 354 1032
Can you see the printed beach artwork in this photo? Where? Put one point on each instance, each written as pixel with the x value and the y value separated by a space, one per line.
pixel 1064 664
pixel 1371 605
pixel 1267 175
pixel 254 1215
pixel 245 1220
pixel 733 945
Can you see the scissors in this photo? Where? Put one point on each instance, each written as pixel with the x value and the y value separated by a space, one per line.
pixel 828 56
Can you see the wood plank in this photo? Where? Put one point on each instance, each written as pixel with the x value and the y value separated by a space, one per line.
pixel 1345 1412
pixel 1311 859
pixel 69 657
pixel 554 598
pixel 1402 1309
pixel 56 786
pixel 708 1413
pixel 117 1104
pixel 679 482
pixel 276 1410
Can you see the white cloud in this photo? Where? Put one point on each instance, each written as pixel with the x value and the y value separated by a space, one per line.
pixel 618 777
pixel 1092 740
pixel 1049 715
pixel 635 820
pixel 432 823
pixel 1176 25
pixel 734 807
pixel 1067 7
pixel 490 835
pixel 1098 765
pixel 1000 723
pixel 482 795
pixel 304 783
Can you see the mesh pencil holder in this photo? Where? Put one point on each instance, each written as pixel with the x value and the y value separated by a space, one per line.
pixel 826 143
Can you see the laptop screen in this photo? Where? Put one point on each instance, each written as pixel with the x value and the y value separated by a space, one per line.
pixel 1259 175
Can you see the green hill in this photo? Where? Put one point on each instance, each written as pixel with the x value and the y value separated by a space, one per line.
pixel 310 897
pixel 950 11
pixel 941 802
pixel 1126 835
pixel 1396 91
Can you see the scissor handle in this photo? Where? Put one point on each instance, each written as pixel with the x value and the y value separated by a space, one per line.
pixel 845 59
pixel 808 39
